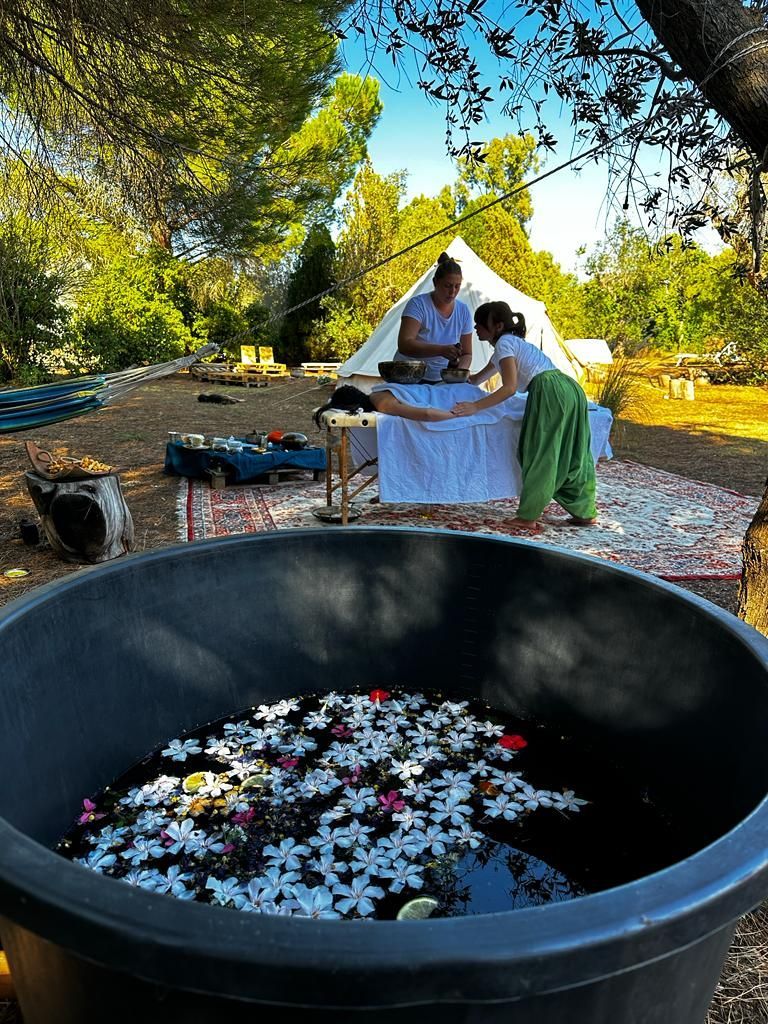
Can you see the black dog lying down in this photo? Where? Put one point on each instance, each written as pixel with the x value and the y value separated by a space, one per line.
pixel 218 399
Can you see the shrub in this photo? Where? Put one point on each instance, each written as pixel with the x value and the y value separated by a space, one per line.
pixel 621 389
pixel 126 315
pixel 32 319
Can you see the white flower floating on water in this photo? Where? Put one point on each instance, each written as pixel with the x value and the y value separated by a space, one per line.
pixel 179 750
pixel 324 812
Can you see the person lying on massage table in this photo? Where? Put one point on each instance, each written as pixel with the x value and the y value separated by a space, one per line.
pixel 349 399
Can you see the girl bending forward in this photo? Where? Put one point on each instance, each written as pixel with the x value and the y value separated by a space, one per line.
pixel 554 451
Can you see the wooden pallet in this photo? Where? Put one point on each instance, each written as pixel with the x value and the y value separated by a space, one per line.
pixel 217 374
pixel 264 369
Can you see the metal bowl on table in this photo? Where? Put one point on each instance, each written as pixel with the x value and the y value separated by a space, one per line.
pixel 293 441
pixel 403 371
pixel 452 375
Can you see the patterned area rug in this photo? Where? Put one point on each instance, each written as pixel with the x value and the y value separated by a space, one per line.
pixel 654 521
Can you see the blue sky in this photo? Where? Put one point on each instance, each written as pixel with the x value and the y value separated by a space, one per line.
pixel 571 208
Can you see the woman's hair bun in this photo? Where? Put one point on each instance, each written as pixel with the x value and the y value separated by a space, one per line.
pixel 443 257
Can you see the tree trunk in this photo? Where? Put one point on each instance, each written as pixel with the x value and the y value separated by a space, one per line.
pixel 701 35
pixel 753 593
pixel 84 520
pixel 162 235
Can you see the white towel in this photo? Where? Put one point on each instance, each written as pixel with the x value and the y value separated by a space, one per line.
pixel 464 459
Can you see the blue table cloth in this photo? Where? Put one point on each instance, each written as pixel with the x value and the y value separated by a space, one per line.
pixel 240 467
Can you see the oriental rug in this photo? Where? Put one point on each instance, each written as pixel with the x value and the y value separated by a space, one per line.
pixel 658 522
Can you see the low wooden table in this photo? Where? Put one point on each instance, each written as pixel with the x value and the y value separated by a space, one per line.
pixel 242 467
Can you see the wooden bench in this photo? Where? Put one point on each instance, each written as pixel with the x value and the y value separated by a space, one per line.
pixel 320 369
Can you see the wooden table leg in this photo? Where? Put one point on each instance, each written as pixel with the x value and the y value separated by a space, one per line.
pixel 343 475
pixel 328 467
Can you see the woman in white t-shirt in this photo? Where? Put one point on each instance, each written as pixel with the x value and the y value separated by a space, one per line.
pixel 555 438
pixel 436 326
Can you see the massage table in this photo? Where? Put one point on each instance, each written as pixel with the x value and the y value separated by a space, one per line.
pixel 465 460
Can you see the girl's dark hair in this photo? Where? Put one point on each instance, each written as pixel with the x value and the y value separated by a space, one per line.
pixel 346 398
pixel 501 313
pixel 446 266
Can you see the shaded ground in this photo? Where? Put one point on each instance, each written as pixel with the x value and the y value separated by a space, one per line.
pixel 721 438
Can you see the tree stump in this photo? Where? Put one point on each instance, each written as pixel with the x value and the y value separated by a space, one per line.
pixel 753 592
pixel 84 520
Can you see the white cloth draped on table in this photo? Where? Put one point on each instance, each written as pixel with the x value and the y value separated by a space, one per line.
pixel 465 459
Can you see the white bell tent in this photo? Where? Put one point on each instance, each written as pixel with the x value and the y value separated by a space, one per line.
pixel 480 284
pixel 590 350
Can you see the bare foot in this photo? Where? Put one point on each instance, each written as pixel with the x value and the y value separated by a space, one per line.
pixel 525 525
pixel 575 521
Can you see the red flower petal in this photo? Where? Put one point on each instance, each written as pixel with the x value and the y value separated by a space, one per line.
pixel 377 696
pixel 513 742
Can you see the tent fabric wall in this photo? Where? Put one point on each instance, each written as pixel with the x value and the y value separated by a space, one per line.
pixel 480 284
pixel 590 350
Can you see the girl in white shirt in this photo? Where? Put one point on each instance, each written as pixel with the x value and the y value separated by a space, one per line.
pixel 554 450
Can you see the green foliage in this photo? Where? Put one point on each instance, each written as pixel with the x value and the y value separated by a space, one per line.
pixel 506 163
pixel 339 334
pixel 498 238
pixel 32 317
pixel 738 313
pixel 643 296
pixel 417 220
pixel 224 325
pixel 261 330
pixel 562 294
pixel 268 168
pixel 673 297
pixel 375 226
pixel 194 117
pixel 369 234
pixel 320 158
pixel 126 313
pixel 312 274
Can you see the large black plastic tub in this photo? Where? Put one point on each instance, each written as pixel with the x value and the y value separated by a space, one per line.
pixel 100 668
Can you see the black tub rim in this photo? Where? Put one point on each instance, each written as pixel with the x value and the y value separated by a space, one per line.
pixel 541 949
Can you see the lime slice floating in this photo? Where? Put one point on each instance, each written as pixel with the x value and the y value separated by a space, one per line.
pixel 256 782
pixel 193 782
pixel 418 909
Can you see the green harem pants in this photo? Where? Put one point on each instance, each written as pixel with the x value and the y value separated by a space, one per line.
pixel 554 450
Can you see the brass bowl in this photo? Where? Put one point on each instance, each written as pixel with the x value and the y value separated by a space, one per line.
pixel 452 375
pixel 402 371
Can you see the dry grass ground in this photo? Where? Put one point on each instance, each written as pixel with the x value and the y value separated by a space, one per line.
pixel 721 437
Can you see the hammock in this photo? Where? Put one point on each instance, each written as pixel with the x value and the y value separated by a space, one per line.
pixel 29 408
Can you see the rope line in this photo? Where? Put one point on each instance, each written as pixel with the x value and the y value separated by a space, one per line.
pixel 461 220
